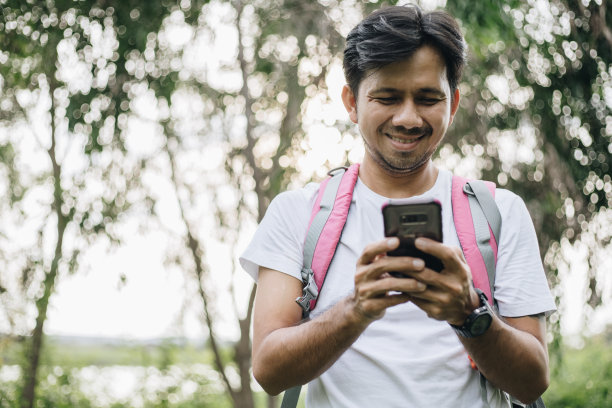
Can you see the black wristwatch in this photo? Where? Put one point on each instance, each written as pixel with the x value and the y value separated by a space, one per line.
pixel 478 322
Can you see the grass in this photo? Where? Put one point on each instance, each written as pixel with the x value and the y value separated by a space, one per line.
pixel 75 354
pixel 581 378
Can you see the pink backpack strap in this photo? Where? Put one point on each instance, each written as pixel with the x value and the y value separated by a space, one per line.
pixel 327 221
pixel 478 224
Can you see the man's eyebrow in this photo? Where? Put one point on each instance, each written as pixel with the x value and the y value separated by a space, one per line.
pixel 384 90
pixel 435 91
pixel 426 90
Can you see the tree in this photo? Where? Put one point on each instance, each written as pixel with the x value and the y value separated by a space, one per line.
pixel 538 82
pixel 254 123
pixel 67 175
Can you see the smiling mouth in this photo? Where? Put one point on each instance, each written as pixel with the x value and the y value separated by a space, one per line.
pixel 403 140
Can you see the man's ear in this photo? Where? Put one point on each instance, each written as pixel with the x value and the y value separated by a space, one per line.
pixel 454 105
pixel 350 103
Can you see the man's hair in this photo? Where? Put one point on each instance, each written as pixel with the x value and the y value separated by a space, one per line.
pixel 393 34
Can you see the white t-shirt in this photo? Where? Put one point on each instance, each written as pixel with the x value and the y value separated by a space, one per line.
pixel 404 359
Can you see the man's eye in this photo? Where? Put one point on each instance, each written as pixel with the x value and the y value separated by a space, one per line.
pixel 386 101
pixel 429 101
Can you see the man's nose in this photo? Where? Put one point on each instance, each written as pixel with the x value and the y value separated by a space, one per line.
pixel 407 115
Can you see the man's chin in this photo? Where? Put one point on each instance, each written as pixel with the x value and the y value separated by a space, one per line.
pixel 402 168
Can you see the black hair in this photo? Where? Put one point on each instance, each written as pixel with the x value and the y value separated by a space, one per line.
pixel 393 34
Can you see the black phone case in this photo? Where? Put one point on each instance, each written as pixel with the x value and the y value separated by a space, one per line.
pixel 410 221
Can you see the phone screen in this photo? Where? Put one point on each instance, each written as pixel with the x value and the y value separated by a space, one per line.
pixel 410 221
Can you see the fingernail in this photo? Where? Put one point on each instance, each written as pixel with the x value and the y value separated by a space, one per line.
pixel 391 242
pixel 421 286
pixel 418 263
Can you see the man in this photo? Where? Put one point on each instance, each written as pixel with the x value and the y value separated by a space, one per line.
pixel 375 339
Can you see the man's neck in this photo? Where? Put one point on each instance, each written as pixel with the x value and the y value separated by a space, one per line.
pixel 397 186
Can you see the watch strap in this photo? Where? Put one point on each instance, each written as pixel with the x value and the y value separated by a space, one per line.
pixel 467 329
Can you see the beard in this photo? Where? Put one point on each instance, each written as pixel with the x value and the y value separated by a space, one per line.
pixel 401 163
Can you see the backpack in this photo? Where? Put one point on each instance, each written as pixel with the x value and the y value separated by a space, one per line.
pixel 477 222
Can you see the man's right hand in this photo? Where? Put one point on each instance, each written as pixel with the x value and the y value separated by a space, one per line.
pixel 287 352
pixel 375 288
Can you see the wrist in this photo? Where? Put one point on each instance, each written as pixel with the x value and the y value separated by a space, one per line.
pixel 472 304
pixel 356 315
pixel 478 321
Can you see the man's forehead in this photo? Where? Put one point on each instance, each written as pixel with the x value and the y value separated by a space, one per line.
pixel 399 81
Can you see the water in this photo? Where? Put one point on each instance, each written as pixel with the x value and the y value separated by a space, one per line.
pixel 129 385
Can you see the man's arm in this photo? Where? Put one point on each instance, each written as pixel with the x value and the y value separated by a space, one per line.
pixel 288 352
pixel 512 354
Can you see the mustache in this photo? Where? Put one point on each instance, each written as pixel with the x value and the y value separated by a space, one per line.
pixel 415 131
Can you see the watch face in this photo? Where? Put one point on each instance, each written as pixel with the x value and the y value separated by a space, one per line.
pixel 481 324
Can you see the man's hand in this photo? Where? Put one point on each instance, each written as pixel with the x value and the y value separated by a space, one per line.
pixel 519 342
pixel 450 295
pixel 375 289
pixel 286 353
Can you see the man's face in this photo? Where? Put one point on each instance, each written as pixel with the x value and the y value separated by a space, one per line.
pixel 403 110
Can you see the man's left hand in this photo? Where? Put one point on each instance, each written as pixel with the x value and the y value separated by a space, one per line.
pixel 450 294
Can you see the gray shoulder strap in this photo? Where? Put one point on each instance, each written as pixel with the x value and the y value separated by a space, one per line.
pixel 310 291
pixel 320 219
pixel 482 194
pixel 291 397
pixel 485 214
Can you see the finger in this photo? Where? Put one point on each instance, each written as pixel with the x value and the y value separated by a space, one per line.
pixel 402 264
pixel 382 265
pixel 426 276
pixel 374 308
pixel 393 299
pixel 382 287
pixel 430 308
pixel 450 258
pixel 404 285
pixel 431 295
pixel 372 251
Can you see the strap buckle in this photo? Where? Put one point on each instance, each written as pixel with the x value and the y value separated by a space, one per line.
pixel 467 189
pixel 310 291
pixel 333 172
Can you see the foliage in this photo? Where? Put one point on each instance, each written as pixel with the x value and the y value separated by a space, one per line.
pixel 583 377
pixel 254 124
pixel 65 89
pixel 535 116
pixel 61 387
pixel 554 61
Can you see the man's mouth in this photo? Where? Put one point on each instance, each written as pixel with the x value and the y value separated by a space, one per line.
pixel 405 140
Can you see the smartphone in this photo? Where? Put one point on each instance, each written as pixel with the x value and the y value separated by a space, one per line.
pixel 410 221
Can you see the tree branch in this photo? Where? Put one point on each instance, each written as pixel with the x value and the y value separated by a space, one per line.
pixel 196 253
pixel 258 174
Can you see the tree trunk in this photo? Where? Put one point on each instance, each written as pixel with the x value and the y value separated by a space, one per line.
pixel 272 401
pixel 242 398
pixel 243 358
pixel 36 341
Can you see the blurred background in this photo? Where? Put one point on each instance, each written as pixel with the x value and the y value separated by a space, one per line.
pixel 141 142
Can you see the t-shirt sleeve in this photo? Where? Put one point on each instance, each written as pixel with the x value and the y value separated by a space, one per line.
pixel 521 288
pixel 279 238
